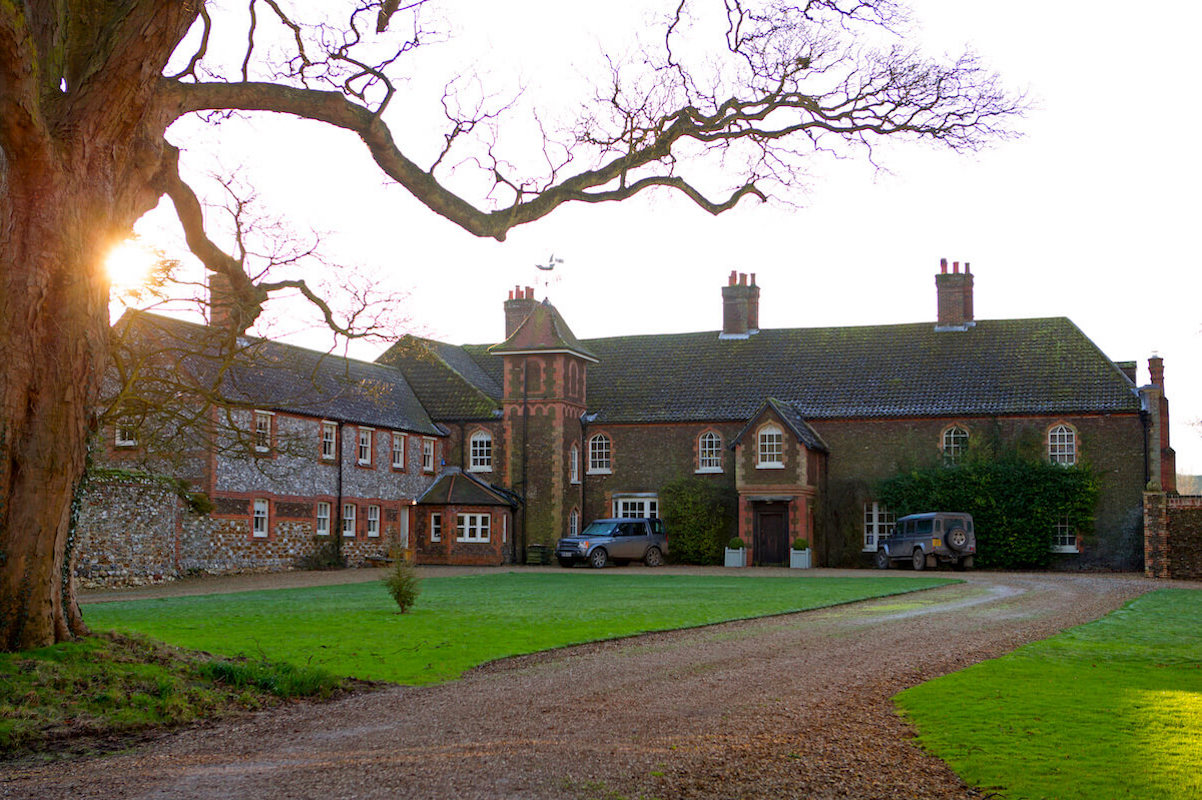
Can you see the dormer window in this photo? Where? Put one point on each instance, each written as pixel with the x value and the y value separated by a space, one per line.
pixel 770 451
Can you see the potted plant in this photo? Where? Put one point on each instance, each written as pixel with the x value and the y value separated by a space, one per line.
pixel 799 556
pixel 734 553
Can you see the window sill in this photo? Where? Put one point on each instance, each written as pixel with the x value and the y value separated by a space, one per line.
pixel 479 469
pixel 258 536
pixel 708 471
pixel 600 472
pixel 472 541
pixel 769 466
pixel 1061 548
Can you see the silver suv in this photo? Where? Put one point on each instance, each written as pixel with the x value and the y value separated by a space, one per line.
pixel 927 539
pixel 618 540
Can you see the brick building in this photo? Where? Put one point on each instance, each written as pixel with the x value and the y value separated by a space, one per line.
pixel 801 423
pixel 467 454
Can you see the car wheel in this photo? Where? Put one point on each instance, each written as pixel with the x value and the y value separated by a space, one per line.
pixel 566 562
pixel 653 558
pixel 957 538
pixel 598 558
pixel 882 559
pixel 919 559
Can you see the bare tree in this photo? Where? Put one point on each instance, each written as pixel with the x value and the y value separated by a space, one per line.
pixel 86 99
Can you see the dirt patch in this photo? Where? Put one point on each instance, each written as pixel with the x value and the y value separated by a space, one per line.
pixel 791 706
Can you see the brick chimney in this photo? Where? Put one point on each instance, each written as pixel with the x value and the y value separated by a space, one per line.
pixel 740 307
pixel 1128 368
pixel 954 293
pixel 519 305
pixel 1162 459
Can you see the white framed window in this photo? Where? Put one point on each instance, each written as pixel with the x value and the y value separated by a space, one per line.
pixel 329 440
pixel 364 450
pixel 573 523
pixel 427 455
pixel 1064 537
pixel 404 522
pixel 636 505
pixel 125 435
pixel 398 451
pixel 474 527
pixel 323 519
pixel 770 451
pixel 709 452
pixel 262 431
pixel 259 523
pixel 348 519
pixel 373 522
pixel 574 464
pixel 481 452
pixel 1062 445
pixel 878 523
pixel 600 455
pixel 436 526
pixel 955 443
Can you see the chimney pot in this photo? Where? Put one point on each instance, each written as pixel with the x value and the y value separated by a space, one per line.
pixel 955 267
pixel 943 265
pixel 733 278
pixel 742 278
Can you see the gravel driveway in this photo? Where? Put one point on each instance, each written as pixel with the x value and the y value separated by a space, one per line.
pixel 789 706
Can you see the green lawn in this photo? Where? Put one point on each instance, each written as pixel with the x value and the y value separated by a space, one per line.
pixel 461 622
pixel 1112 709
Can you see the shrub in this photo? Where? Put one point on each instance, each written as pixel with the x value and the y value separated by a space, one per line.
pixel 326 554
pixel 403 583
pixel 735 544
pixel 1015 504
pixel 801 544
pixel 700 516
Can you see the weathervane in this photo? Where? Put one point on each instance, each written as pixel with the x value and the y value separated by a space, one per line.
pixel 546 281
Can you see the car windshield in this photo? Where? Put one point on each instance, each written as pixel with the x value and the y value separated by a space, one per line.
pixel 600 529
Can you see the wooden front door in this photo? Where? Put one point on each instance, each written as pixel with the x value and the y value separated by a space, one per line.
pixel 771 543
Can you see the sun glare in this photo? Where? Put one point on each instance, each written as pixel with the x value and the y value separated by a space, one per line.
pixel 129 265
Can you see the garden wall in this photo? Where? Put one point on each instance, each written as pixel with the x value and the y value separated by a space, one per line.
pixel 1172 536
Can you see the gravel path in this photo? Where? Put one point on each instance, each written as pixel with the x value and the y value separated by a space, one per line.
pixel 790 706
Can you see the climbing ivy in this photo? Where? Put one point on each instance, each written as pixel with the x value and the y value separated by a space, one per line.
pixel 700 518
pixel 1015 504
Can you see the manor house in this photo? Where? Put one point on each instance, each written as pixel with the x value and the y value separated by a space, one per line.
pixel 468 454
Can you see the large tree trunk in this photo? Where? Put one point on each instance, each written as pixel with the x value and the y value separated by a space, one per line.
pixel 54 318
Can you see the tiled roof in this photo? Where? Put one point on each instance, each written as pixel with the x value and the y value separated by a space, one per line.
pixel 456 487
pixel 997 367
pixel 449 383
pixel 282 377
pixel 544 330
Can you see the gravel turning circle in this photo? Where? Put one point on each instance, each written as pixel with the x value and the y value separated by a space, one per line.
pixel 794 706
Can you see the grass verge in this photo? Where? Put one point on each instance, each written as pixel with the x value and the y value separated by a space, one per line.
pixel 95 693
pixel 461 622
pixel 1112 709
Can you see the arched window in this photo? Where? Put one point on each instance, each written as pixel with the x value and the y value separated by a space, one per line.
pixel 599 454
pixel 573 523
pixel 1062 445
pixel 709 452
pixel 955 443
pixel 481 452
pixel 574 464
pixel 771 452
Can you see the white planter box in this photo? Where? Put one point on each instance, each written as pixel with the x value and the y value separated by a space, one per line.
pixel 799 559
pixel 736 558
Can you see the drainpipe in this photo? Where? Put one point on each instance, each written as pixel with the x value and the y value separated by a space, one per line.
pixel 337 528
pixel 525 454
pixel 582 473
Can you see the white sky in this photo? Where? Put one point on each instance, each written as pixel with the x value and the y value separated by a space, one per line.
pixel 1092 215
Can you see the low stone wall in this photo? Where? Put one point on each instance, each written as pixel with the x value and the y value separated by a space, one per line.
pixel 1172 536
pixel 127 534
